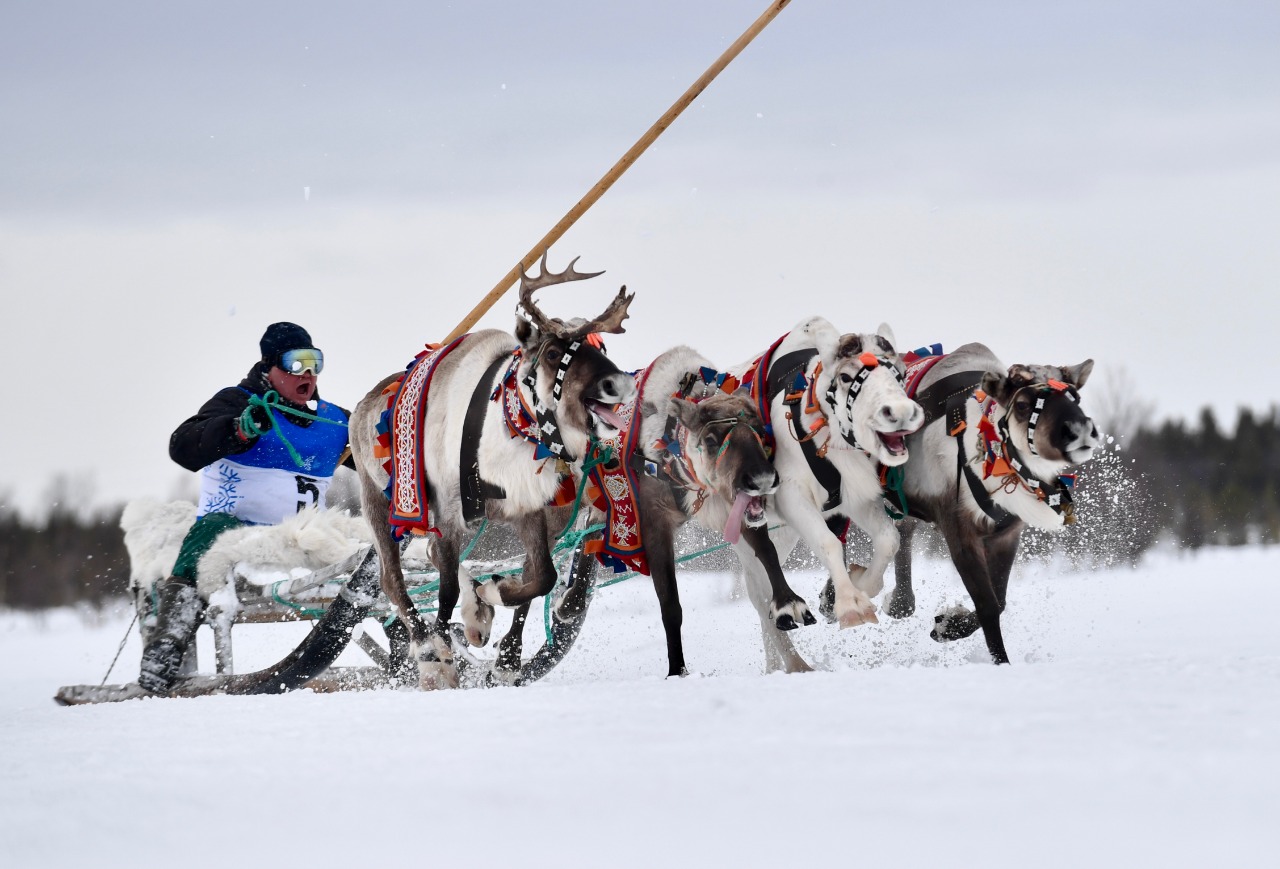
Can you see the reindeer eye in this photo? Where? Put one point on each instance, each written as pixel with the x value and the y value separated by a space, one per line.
pixel 553 354
pixel 845 378
pixel 1022 406
pixel 709 441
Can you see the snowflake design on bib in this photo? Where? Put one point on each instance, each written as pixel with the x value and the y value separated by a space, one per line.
pixel 227 496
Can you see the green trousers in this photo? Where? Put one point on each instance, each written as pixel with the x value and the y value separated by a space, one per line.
pixel 198 541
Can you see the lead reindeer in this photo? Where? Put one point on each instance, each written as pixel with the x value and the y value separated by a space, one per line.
pixel 481 462
pixel 839 417
pixel 991 459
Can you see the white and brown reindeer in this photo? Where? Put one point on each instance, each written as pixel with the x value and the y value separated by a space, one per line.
pixel 839 416
pixel 993 458
pixel 470 456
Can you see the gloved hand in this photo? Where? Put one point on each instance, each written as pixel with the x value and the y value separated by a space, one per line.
pixel 253 421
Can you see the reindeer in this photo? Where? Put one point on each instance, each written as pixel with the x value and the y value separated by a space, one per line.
pixel 701 455
pixel 474 466
pixel 1016 436
pixel 839 416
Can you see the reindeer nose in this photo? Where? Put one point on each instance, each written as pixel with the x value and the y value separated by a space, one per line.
pixel 902 416
pixel 759 482
pixel 616 388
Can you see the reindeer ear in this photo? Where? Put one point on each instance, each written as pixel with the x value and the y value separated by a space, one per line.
pixel 1020 376
pixel 824 336
pixel 850 346
pixel 885 332
pixel 525 333
pixel 685 411
pixel 1076 375
pixel 996 385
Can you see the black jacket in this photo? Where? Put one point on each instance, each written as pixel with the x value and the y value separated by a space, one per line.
pixel 210 435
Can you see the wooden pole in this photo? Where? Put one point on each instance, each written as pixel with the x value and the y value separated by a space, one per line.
pixel 618 168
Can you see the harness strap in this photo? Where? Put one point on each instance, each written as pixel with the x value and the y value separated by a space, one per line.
pixel 947 397
pixel 473 490
pixel 787 376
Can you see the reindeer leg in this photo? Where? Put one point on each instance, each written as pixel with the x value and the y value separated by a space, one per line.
pixel 538 575
pixel 511 646
pixel 477 615
pixel 788 609
pixel 852 606
pixel 658 534
pixel 779 652
pixel 870 517
pixel 433 650
pixel 1001 550
pixel 902 600
pixel 969 556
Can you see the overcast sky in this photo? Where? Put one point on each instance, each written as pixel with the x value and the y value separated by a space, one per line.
pixel 1060 181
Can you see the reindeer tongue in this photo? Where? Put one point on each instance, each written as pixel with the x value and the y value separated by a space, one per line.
pixel 733 526
pixel 606 413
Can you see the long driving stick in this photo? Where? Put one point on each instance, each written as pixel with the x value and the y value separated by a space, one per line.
pixel 618 168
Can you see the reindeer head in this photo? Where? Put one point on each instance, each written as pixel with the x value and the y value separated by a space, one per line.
pixel 865 400
pixel 1040 405
pixel 727 453
pixel 573 377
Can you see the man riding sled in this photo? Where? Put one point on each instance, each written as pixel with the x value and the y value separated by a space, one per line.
pixel 264 449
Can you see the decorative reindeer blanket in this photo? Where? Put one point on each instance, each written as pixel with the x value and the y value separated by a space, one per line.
pixel 756 379
pixel 400 440
pixel 613 490
pixel 918 363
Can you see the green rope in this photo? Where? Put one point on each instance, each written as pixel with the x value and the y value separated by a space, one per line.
pixel 271 402
pixel 893 481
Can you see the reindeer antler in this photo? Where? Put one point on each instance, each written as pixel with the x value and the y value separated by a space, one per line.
pixel 532 313
pixel 546 278
pixel 611 320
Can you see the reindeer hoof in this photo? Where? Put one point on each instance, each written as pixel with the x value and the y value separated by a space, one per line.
pixel 901 604
pixel 489 593
pixel 785 622
pixel 827 602
pixel 808 618
pixel 855 617
pixel 954 624
pixel 435 676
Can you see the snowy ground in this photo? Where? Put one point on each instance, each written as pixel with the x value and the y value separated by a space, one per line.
pixel 1136 727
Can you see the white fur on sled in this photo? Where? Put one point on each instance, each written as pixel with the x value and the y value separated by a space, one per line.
pixel 312 539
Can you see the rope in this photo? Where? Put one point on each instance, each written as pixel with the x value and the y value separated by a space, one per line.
pixel 270 401
pixel 123 640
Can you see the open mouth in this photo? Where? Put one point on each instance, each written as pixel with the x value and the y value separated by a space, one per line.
pixel 746 508
pixel 894 442
pixel 606 414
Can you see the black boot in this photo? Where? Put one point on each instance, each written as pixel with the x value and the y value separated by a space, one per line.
pixel 179 615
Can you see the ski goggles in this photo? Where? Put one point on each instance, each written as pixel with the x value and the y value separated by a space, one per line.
pixel 299 361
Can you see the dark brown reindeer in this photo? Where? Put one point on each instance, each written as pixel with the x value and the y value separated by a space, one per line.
pixel 701 455
pixel 507 421
pixel 986 464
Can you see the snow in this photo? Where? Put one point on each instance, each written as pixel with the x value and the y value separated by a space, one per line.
pixel 1136 727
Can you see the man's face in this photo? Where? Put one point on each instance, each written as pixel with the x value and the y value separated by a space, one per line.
pixel 298 388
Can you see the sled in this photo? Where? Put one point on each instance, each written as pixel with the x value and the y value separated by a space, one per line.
pixel 338 598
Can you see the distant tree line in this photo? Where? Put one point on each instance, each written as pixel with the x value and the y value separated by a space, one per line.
pixel 1189 485
pixel 1206 487
pixel 66 557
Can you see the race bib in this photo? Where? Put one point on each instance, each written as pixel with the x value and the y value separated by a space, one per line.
pixel 264 496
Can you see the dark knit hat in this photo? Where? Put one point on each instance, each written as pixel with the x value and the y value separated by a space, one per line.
pixel 281 338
